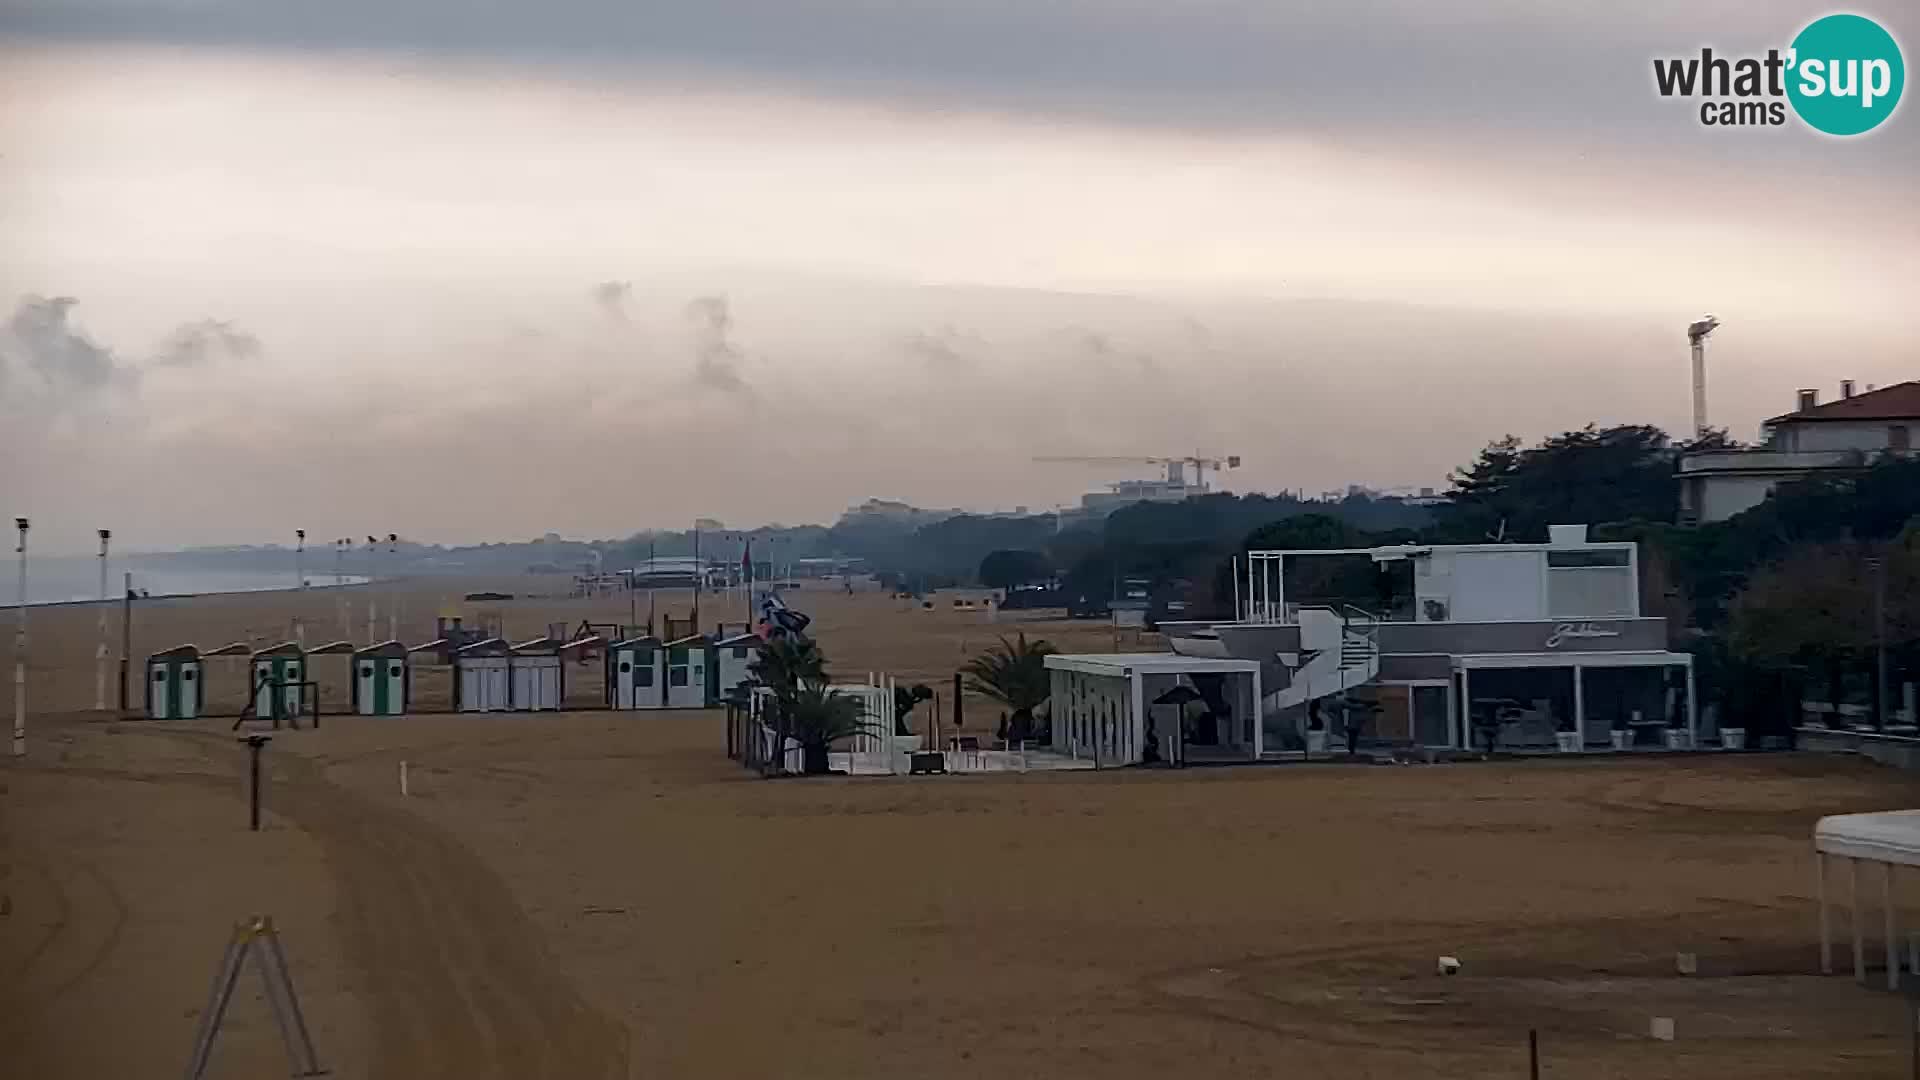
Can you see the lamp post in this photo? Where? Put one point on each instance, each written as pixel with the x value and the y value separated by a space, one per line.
pixel 100 653
pixel 373 575
pixel 300 583
pixel 20 650
pixel 393 598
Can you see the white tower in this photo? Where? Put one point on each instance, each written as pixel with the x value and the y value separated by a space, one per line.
pixel 1697 343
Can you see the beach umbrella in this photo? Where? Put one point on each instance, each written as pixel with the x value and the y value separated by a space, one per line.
pixel 1180 696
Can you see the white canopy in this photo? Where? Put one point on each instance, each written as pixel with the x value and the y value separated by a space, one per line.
pixel 1891 836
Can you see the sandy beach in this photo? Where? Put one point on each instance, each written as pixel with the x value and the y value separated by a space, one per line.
pixel 592 894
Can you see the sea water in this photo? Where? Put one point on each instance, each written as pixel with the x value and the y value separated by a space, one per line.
pixel 66 579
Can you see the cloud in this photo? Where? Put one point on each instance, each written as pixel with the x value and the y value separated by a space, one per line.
pixel 1575 74
pixel 50 360
pixel 531 406
pixel 613 298
pixel 208 340
pixel 716 359
pixel 944 350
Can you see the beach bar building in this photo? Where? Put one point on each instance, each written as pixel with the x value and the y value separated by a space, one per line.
pixel 1544 643
pixel 537 674
pixel 176 678
pixel 380 679
pixel 636 674
pixel 276 675
pixel 480 677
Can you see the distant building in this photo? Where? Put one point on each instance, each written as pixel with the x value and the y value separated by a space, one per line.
pixel 893 512
pixel 1813 440
pixel 1095 506
pixel 666 572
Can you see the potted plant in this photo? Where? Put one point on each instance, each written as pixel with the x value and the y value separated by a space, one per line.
pixel 1567 737
pixel 1678 737
pixel 1622 734
pixel 1733 737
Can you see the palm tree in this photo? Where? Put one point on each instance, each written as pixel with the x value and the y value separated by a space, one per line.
pixel 1013 673
pixel 786 666
pixel 905 700
pixel 819 717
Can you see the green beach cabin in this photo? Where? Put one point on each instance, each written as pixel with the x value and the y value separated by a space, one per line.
pixel 380 683
pixel 176 680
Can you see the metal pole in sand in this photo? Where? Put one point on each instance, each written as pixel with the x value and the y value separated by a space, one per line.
pixel 100 654
pixel 126 638
pixel 20 650
pixel 254 743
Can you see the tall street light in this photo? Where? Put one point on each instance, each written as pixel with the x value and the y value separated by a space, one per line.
pixel 20 650
pixel 100 654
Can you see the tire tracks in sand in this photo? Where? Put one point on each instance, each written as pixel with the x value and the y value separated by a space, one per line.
pixel 452 977
pixel 457 980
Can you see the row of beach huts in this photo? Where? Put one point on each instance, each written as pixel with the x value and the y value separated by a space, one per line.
pixel 487 675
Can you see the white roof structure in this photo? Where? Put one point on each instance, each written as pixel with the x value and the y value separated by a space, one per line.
pixel 1628 658
pixel 1890 838
pixel 1120 664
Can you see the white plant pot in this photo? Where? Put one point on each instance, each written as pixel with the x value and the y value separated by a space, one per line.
pixel 1316 742
pixel 1733 738
pixel 1622 740
pixel 1677 738
pixel 1568 741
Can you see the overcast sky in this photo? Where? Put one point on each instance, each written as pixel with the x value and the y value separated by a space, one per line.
pixel 473 271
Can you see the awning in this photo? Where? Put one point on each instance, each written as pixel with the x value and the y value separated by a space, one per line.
pixel 1494 661
pixel 1891 836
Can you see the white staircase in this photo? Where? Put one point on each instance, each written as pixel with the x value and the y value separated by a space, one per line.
pixel 1340 650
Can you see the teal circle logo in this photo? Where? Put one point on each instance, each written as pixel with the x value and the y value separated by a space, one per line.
pixel 1846 74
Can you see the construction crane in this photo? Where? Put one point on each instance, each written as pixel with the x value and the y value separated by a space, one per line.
pixel 1176 466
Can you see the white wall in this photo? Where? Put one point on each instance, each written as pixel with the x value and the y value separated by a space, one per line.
pixel 1721 497
pixel 1489 586
pixel 1840 435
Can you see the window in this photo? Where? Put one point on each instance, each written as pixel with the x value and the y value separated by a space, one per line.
pixel 1899 437
pixel 740 652
pixel 643 676
pixel 677 676
pixel 1586 558
pixel 187 675
pixel 366 669
pixel 159 676
pixel 625 667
